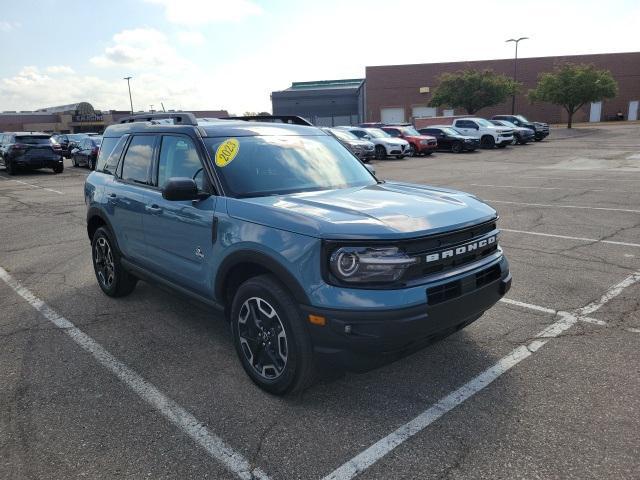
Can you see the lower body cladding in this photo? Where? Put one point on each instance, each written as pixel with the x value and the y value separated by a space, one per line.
pixel 366 339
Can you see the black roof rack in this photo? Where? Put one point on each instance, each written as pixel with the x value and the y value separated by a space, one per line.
pixel 292 119
pixel 179 118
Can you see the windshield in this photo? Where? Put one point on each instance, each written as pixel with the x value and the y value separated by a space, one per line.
pixel 450 131
pixel 277 165
pixel 483 122
pixel 522 119
pixel 377 133
pixel 411 131
pixel 344 135
pixel 505 123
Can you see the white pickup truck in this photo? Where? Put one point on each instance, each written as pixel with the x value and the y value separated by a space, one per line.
pixel 490 135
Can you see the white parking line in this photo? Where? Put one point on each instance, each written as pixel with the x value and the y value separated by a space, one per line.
pixel 173 412
pixel 582 239
pixel 547 205
pixel 33 186
pixel 633 330
pixel 538 188
pixel 551 311
pixel 599 179
pixel 375 452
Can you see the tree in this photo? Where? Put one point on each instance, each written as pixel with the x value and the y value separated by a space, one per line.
pixel 255 114
pixel 571 86
pixel 473 90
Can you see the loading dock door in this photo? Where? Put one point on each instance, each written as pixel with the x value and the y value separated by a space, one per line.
pixel 633 110
pixel 392 115
pixel 596 111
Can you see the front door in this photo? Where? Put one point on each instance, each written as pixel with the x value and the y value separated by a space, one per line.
pixel 179 233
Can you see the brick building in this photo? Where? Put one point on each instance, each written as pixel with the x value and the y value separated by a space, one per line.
pixel 398 93
pixel 74 118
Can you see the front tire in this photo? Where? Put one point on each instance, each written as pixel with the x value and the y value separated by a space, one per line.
pixel 58 169
pixel 113 279
pixel 456 147
pixel 487 142
pixel 381 152
pixel 270 338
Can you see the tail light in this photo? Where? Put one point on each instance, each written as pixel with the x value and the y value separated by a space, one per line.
pixel 19 146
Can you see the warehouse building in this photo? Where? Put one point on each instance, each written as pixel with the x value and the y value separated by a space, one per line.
pixel 325 103
pixel 400 93
pixel 74 118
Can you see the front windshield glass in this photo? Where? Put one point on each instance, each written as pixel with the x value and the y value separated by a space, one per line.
pixel 483 122
pixel 522 119
pixel 411 131
pixel 450 131
pixel 276 165
pixel 344 135
pixel 508 124
pixel 377 133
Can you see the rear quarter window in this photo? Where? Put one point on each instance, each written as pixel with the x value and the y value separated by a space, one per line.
pixel 109 154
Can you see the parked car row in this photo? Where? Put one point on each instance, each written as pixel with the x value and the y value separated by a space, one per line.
pixel 454 134
pixel 35 150
pixel 30 150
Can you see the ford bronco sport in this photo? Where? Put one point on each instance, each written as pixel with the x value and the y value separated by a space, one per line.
pixel 313 260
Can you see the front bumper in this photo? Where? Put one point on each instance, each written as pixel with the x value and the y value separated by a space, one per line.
pixel 504 140
pixel 361 340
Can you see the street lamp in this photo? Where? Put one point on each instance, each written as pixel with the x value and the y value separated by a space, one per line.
pixel 515 71
pixel 129 85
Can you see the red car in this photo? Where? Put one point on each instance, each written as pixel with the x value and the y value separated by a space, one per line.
pixel 419 144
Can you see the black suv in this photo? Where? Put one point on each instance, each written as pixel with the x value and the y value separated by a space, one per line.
pixel 541 129
pixel 30 150
pixel 450 139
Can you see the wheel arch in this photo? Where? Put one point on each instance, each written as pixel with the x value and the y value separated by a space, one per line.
pixel 242 265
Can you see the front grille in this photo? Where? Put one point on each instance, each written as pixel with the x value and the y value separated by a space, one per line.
pixel 454 289
pixel 426 249
pixel 445 292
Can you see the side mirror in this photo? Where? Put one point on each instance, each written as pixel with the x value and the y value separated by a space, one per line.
pixel 180 188
pixel 370 168
pixel 367 137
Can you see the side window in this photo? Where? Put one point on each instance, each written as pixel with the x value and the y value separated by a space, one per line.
pixel 137 160
pixel 358 133
pixel 393 132
pixel 112 159
pixel 179 158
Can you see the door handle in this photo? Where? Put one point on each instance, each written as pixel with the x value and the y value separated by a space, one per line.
pixel 112 195
pixel 154 209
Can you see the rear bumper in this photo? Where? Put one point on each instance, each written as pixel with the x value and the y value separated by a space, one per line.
pixel 361 340
pixel 37 162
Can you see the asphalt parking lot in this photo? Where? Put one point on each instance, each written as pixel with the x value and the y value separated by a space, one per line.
pixel 545 385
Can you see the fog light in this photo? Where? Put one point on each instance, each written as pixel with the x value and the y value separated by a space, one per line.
pixel 317 320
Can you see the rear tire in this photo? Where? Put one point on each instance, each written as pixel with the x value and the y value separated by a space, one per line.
pixel 58 169
pixel 112 278
pixel 270 337
pixel 487 141
pixel 456 147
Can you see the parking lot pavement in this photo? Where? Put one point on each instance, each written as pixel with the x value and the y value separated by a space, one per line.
pixel 495 400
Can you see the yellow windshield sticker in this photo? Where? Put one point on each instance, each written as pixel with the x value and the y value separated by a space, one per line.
pixel 227 151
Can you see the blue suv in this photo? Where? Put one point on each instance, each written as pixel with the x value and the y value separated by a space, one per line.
pixel 314 260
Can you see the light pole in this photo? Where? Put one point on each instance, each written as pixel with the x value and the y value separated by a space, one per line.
pixel 129 85
pixel 515 71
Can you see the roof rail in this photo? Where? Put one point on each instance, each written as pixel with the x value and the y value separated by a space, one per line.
pixel 179 118
pixel 292 119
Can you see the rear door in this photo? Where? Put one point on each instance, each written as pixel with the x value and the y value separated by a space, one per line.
pixel 126 196
pixel 467 127
pixel 179 233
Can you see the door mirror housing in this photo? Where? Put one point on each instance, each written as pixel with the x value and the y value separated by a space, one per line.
pixel 367 137
pixel 181 188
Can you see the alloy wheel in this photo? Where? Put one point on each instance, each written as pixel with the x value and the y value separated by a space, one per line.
pixel 103 260
pixel 263 339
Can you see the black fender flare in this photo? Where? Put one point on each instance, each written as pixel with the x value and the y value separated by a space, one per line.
pixel 265 261
pixel 96 212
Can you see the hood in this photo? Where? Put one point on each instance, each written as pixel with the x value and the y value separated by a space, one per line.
pixel 361 143
pixel 383 211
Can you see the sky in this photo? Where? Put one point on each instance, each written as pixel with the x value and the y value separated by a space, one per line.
pixel 231 54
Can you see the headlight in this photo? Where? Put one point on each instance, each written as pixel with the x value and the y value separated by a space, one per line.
pixel 424 142
pixel 369 264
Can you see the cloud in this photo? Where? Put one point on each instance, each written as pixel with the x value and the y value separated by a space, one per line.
pixel 9 26
pixel 202 12
pixel 57 69
pixel 139 48
pixel 190 38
